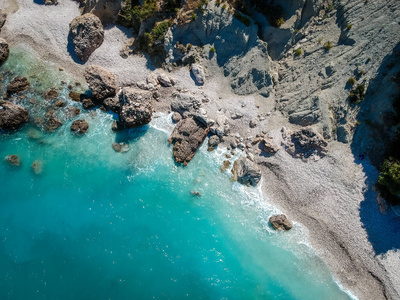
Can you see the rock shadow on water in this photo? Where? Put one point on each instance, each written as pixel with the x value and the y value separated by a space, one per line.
pixel 368 147
pixel 129 136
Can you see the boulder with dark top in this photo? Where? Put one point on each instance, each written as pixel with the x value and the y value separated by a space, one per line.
pixel 280 222
pixel 187 137
pixel 102 83
pixel 12 116
pixel 86 33
pixel 4 51
pixel 112 104
pixel 17 85
pixel 79 126
pixel 136 107
pixel 269 146
pixel 246 172
pixel 12 160
pixel 52 124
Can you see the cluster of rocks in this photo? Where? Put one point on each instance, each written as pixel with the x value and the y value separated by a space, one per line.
pixel 246 172
pixel 14 160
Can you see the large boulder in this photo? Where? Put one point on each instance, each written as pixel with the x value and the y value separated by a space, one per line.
pixel 4 51
pixel 79 126
pixel 86 33
pixel 246 172
pixel 188 135
pixel 198 73
pixel 280 222
pixel 112 104
pixel 136 107
pixel 12 116
pixel 17 85
pixel 305 143
pixel 102 83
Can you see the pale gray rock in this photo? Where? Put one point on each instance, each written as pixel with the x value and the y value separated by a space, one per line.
pixel 305 143
pixel 12 116
pixel 86 33
pixel 184 102
pixel 198 73
pixel 246 172
pixel 187 137
pixel 269 146
pixel 136 107
pixel 176 117
pixel 165 80
pixel 102 83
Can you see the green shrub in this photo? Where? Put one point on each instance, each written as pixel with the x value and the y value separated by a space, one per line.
pixel 213 50
pixel 328 46
pixel 319 40
pixel 242 18
pixel 298 52
pixel 351 81
pixel 357 94
pixel 224 6
pixel 389 176
pixel 194 17
pixel 348 27
pixel 189 46
pixel 218 2
pixel 278 22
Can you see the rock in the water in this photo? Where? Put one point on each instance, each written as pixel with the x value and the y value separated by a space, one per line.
pixel 86 34
pixel 18 84
pixel 136 107
pixel 112 104
pixel 51 94
pixel 269 146
pixel 198 73
pixel 72 111
pixel 165 80
pixel 225 165
pixel 176 117
pixel 79 126
pixel 75 96
pixel 12 116
pixel 4 51
pixel 188 135
pixel 3 18
pixel 305 143
pixel 280 222
pixel 52 124
pixel 116 126
pixel 213 141
pixel 34 134
pixel 59 103
pixel 102 83
pixel 121 147
pixel 89 103
pixel 195 193
pixel 12 160
pixel 246 172
pixel 37 167
pixel 50 2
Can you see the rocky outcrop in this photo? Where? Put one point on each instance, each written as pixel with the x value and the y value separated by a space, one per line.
pixel 198 73
pixel 3 18
pixel 17 85
pixel 136 107
pixel 52 124
pixel 185 103
pixel 112 104
pixel 4 51
pixel 280 222
pixel 246 172
pixel 12 116
pixel 86 33
pixel 305 143
pixel 102 83
pixel 187 137
pixel 165 80
pixel 13 160
pixel 269 146
pixel 79 126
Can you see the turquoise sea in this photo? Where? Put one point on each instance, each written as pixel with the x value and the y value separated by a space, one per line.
pixel 97 224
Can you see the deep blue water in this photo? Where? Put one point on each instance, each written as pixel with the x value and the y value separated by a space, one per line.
pixel 97 224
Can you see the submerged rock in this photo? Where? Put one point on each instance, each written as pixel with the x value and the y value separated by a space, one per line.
pixel 198 73
pixel 136 107
pixel 13 160
pixel 51 94
pixel 188 135
pixel 75 96
pixel 225 165
pixel 121 147
pixel 86 33
pixel 195 193
pixel 102 83
pixel 246 172
pixel 18 84
pixel 280 222
pixel 34 134
pixel 37 167
pixel 79 126
pixel 4 51
pixel 12 116
pixel 71 111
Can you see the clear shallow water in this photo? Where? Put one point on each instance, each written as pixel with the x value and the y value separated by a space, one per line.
pixel 97 224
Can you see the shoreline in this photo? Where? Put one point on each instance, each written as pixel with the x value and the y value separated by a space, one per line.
pixel 336 182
